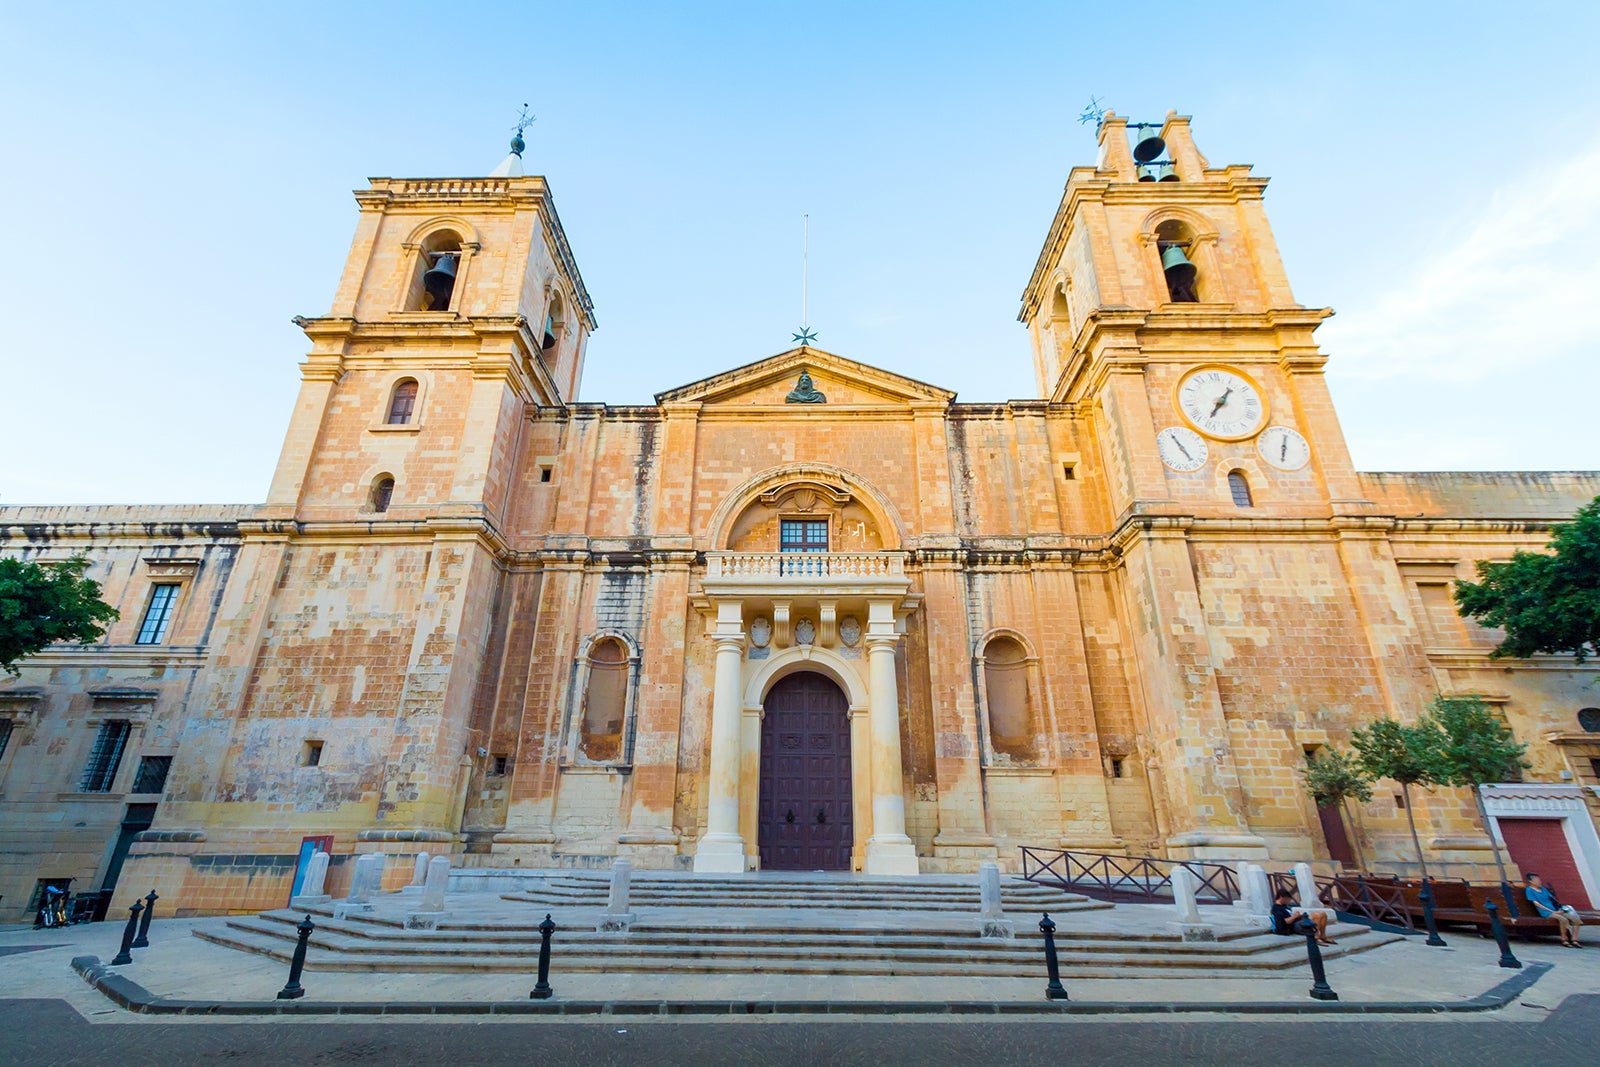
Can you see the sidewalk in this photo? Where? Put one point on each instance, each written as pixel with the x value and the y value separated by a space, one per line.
pixel 178 966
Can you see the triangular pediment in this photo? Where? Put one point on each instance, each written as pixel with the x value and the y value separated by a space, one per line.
pixel 844 382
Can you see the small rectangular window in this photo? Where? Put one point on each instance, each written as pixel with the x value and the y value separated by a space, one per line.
pixel 105 757
pixel 1069 472
pixel 152 775
pixel 5 736
pixel 311 754
pixel 545 473
pixel 803 535
pixel 1594 766
pixel 1400 801
pixel 157 614
pixel 499 766
pixel 1116 768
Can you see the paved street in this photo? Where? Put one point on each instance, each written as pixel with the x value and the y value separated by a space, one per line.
pixel 46 1033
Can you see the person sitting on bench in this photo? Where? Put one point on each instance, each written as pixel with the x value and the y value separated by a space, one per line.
pixel 1287 914
pixel 1546 906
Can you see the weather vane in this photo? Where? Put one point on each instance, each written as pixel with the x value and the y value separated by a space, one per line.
pixel 524 120
pixel 806 334
pixel 1093 112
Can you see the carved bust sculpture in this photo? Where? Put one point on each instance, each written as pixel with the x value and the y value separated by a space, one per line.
pixel 804 392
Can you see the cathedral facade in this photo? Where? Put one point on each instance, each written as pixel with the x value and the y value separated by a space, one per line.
pixel 806 613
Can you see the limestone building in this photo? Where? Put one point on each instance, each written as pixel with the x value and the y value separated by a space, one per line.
pixel 804 613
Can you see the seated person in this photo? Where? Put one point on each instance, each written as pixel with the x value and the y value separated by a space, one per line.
pixel 1546 906
pixel 1286 915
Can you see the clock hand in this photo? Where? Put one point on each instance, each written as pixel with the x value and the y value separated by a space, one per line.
pixel 1221 400
pixel 1185 451
pixel 1283 453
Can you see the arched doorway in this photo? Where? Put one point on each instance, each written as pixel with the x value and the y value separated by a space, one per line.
pixel 805 809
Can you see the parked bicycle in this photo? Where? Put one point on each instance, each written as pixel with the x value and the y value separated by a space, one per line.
pixel 53 909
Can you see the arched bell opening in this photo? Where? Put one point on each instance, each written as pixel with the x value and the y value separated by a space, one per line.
pixel 1175 240
pixel 433 287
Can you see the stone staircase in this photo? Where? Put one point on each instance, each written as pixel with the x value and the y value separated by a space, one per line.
pixel 745 925
pixel 935 894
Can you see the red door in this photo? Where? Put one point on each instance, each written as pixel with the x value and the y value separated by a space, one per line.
pixel 1540 846
pixel 805 810
pixel 1334 834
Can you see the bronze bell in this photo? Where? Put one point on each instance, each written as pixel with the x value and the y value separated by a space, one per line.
pixel 1166 173
pixel 1144 173
pixel 1150 145
pixel 1180 274
pixel 441 280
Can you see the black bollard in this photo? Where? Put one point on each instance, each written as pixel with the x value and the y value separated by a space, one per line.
pixel 128 933
pixel 1511 902
pixel 541 989
pixel 1499 931
pixel 1055 990
pixel 143 940
pixel 1320 990
pixel 293 990
pixel 1426 894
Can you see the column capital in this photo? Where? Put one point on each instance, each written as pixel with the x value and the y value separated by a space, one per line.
pixel 875 642
pixel 726 642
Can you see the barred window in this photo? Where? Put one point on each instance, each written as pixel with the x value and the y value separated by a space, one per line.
pixel 382 493
pixel 1240 489
pixel 803 535
pixel 5 736
pixel 157 614
pixel 402 403
pixel 152 775
pixel 105 757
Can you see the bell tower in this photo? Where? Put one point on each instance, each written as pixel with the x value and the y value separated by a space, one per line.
pixel 459 303
pixel 1162 320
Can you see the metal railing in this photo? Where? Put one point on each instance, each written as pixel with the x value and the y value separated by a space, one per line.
pixel 1125 878
pixel 1352 894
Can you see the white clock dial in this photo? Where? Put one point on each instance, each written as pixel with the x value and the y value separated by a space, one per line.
pixel 1181 448
pixel 1221 402
pixel 1283 448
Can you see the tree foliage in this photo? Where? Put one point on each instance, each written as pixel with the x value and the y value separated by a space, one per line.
pixel 41 604
pixel 1408 754
pixel 1332 777
pixel 1475 747
pixel 1543 602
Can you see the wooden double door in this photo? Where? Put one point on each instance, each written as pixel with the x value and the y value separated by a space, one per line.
pixel 805 803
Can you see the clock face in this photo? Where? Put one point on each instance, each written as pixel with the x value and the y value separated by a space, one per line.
pixel 1221 402
pixel 1181 448
pixel 1283 448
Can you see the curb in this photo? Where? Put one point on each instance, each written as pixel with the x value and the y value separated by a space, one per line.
pixel 126 993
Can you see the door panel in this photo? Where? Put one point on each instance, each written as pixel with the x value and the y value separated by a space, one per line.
pixel 805 804
pixel 1540 846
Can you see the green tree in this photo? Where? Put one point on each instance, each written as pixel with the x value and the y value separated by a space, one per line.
pixel 1543 602
pixel 1476 748
pixel 41 604
pixel 1334 778
pixel 1408 754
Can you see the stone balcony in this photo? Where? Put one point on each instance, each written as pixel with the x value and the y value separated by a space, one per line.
pixel 805 573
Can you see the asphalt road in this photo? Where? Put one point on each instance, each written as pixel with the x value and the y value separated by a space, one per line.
pixel 46 1033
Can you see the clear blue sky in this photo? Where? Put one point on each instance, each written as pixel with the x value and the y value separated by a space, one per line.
pixel 178 178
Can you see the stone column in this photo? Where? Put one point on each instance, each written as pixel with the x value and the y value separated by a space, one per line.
pixel 432 907
pixel 1306 882
pixel 618 918
pixel 889 850
pixel 992 921
pixel 1185 888
pixel 419 875
pixel 721 848
pixel 311 889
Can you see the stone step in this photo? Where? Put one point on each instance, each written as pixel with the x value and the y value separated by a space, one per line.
pixel 339 945
pixel 629 959
pixel 377 928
